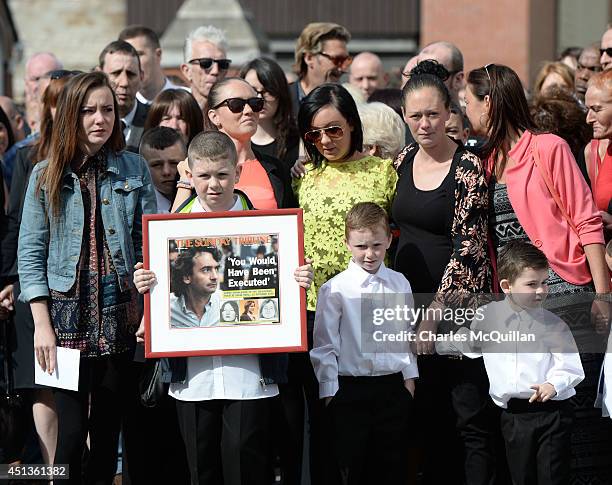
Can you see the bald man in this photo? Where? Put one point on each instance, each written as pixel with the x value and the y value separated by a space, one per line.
pixel 451 58
pixel 367 73
pixel 606 55
pixel 36 81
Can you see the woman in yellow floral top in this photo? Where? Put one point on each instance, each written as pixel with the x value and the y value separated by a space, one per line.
pixel 339 175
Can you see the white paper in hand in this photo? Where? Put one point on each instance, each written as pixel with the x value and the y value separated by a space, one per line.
pixel 66 373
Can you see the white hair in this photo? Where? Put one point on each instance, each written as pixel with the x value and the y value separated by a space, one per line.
pixel 356 93
pixel 382 127
pixel 208 33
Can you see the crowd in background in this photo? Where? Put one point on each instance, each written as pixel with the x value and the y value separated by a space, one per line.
pixel 463 163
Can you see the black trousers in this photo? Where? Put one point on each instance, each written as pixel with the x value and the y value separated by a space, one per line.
pixel 227 442
pixel 370 424
pixel 456 419
pixel 537 438
pixel 98 407
pixel 153 449
pixel 288 422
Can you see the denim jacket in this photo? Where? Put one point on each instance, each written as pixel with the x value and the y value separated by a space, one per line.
pixel 50 247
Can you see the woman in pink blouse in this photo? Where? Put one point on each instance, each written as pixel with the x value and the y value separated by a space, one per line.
pixel 538 194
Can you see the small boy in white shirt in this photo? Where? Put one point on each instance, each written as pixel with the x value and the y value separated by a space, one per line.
pixel 533 366
pixel 368 395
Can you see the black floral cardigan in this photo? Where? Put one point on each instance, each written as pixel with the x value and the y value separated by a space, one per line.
pixel 468 270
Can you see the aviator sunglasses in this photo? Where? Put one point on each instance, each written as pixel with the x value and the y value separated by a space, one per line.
pixel 236 105
pixel 341 62
pixel 207 62
pixel 314 136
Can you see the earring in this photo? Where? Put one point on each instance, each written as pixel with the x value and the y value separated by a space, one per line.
pixel 480 119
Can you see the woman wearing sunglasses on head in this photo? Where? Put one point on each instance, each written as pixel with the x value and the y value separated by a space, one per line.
pixel 276 133
pixel 234 110
pixel 539 195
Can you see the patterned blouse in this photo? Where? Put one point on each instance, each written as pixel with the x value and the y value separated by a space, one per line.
pixel 95 316
pixel 468 270
pixel 326 194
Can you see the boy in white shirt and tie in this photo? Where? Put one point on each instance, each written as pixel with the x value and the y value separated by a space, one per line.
pixel 368 392
pixel 533 366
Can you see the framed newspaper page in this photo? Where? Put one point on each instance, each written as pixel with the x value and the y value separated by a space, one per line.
pixel 225 283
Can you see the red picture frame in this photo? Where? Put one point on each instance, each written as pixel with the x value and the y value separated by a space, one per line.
pixel 173 326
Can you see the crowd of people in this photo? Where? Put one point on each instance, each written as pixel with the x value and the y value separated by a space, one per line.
pixel 451 186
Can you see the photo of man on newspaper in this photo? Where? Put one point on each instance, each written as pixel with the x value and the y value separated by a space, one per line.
pixel 224 280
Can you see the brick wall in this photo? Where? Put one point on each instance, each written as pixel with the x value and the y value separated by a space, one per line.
pixel 518 33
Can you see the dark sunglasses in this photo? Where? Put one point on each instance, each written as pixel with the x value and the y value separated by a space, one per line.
pixel 608 51
pixel 61 73
pixel 341 62
pixel 236 105
pixel 314 136
pixel 580 67
pixel 207 62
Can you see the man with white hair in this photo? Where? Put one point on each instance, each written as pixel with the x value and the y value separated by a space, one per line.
pixel 451 58
pixel 36 80
pixel 367 73
pixel 205 61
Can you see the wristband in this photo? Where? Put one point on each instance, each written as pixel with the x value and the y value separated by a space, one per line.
pixel 183 184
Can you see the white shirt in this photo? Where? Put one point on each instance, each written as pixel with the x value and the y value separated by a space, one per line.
pixel 222 377
pixel 338 328
pixel 605 381
pixel 163 204
pixel 167 85
pixel 128 119
pixel 514 366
